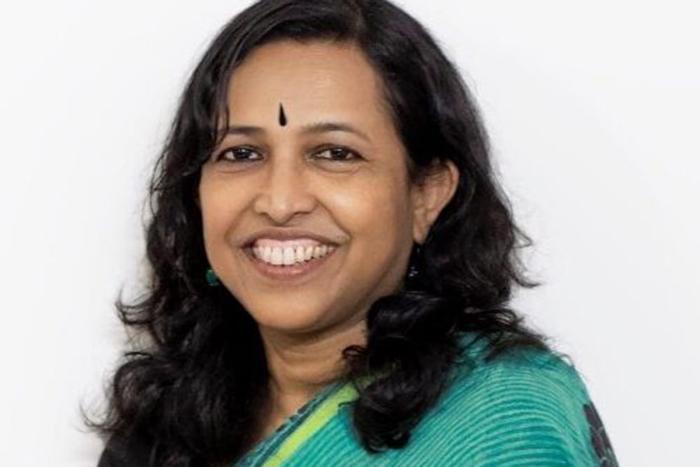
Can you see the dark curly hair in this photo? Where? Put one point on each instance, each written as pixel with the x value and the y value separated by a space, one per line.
pixel 192 391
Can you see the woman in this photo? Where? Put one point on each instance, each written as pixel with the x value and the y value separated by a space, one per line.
pixel 332 260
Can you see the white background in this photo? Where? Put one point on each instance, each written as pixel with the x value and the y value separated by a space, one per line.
pixel 593 108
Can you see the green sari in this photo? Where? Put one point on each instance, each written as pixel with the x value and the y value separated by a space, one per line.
pixel 527 408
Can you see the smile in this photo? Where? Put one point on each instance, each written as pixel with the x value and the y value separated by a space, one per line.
pixel 289 255
pixel 288 273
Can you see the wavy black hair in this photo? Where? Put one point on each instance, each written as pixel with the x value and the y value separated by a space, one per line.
pixel 190 394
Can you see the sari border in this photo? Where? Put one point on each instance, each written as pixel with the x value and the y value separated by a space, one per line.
pixel 313 423
pixel 257 456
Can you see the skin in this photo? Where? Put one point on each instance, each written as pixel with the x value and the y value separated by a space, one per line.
pixel 290 178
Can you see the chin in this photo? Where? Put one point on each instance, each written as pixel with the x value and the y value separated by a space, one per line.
pixel 288 320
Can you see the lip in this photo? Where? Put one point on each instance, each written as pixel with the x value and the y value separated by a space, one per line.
pixel 287 274
pixel 286 234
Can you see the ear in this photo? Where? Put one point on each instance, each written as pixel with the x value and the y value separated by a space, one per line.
pixel 431 195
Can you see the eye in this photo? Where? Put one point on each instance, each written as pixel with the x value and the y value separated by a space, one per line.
pixel 339 154
pixel 237 154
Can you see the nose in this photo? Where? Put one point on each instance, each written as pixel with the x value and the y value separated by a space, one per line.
pixel 284 191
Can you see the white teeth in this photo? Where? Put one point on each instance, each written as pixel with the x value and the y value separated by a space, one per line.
pixel 291 255
pixel 299 254
pixel 277 256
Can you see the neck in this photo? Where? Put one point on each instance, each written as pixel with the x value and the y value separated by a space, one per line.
pixel 302 365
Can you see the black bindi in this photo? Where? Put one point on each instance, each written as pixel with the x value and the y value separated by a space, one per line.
pixel 282 117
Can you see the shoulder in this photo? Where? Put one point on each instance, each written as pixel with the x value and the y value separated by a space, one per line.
pixel 529 406
pixel 524 372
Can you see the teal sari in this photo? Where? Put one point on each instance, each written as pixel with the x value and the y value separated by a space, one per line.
pixel 527 408
pixel 280 447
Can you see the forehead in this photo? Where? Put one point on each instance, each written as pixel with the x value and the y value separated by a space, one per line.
pixel 312 80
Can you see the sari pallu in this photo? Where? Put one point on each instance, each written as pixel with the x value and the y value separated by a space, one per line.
pixel 527 408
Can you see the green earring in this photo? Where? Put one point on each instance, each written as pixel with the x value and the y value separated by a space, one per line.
pixel 212 280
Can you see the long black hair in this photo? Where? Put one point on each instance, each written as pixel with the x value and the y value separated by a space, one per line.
pixel 191 392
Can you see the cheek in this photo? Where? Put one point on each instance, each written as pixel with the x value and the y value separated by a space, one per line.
pixel 379 228
pixel 376 210
pixel 218 206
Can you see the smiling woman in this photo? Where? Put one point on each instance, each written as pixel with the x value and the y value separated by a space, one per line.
pixel 335 172
pixel 332 260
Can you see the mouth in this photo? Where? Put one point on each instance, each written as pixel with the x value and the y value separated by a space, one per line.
pixel 294 273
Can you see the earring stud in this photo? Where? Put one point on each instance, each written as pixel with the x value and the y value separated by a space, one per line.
pixel 413 270
pixel 212 280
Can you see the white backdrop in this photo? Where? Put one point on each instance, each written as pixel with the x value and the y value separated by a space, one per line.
pixel 593 111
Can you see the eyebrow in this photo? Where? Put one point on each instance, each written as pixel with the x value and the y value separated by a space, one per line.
pixel 309 128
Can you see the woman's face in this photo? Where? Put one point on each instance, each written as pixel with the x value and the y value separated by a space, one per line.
pixel 286 175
